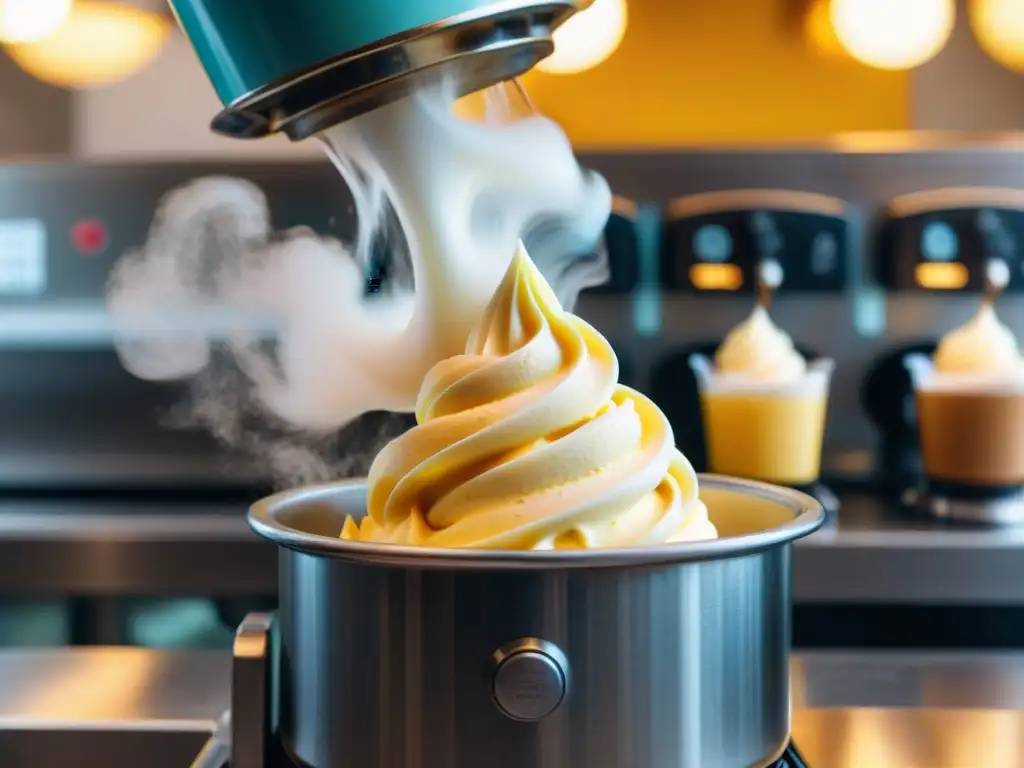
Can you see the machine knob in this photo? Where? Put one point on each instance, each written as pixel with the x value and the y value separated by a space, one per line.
pixel 530 679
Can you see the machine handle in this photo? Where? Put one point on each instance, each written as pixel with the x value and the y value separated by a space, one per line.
pixel 251 677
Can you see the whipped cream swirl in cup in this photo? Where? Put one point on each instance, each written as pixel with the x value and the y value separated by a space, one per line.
pixel 982 346
pixel 527 441
pixel 759 349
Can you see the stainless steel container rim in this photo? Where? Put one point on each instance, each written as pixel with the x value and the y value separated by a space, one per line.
pixel 265 519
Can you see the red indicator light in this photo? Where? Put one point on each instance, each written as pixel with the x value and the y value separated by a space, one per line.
pixel 89 236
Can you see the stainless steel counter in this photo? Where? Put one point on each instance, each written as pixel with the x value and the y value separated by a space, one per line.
pixel 872 552
pixel 108 708
pixel 131 548
pixel 879 552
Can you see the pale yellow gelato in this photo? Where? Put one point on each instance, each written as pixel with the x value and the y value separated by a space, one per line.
pixel 527 441
pixel 983 346
pixel 759 349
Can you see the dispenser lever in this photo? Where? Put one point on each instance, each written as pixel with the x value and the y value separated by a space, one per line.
pixel 767 238
pixel 997 241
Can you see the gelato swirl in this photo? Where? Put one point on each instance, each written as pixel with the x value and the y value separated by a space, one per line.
pixel 527 441
pixel 981 346
pixel 759 349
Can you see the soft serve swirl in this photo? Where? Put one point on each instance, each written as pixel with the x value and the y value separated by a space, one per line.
pixel 527 441
pixel 981 346
pixel 759 349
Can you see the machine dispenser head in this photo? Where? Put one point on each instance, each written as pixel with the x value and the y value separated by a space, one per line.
pixel 299 66
pixel 943 239
pixel 714 242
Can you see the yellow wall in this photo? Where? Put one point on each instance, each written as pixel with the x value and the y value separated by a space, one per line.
pixel 714 71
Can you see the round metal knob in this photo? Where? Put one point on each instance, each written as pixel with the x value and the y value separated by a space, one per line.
pixel 530 679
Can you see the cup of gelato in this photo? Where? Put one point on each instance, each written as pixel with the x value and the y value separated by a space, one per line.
pixel 763 405
pixel 970 406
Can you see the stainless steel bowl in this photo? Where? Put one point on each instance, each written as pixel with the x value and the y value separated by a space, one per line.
pixel 660 657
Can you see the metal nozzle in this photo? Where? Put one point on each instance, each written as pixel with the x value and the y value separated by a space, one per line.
pixel 498 42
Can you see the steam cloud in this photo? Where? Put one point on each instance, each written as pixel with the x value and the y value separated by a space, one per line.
pixel 276 333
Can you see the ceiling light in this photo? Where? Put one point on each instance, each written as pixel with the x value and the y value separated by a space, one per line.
pixel 893 34
pixel 100 43
pixel 23 21
pixel 587 39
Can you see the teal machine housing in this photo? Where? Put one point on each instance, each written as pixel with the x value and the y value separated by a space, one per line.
pixel 299 66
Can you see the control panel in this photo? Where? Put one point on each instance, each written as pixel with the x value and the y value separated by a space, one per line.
pixel 712 242
pixel 941 239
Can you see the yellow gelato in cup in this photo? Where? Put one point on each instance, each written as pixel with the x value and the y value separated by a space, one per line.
pixel 763 406
pixel 527 441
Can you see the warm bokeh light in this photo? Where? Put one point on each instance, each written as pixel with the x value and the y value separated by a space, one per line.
pixel 23 21
pixel 999 27
pixel 587 39
pixel 99 44
pixel 893 34
pixel 819 30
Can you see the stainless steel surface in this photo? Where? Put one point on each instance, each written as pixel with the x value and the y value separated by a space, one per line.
pixel 1008 510
pixel 909 710
pixel 851 709
pixel 96 548
pixel 499 42
pixel 681 665
pixel 111 707
pixel 916 738
pixel 879 551
pixel 873 551
pixel 309 520
pixel 530 679
pixel 251 696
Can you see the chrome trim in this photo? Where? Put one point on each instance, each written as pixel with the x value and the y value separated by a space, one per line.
pixel 742 199
pixel 264 519
pixel 956 197
pixel 515 34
